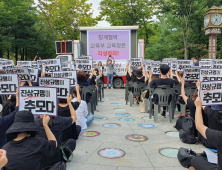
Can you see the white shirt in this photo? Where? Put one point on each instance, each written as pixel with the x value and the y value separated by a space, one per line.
pixel 81 113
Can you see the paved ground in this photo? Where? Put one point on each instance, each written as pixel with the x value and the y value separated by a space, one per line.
pixel 138 155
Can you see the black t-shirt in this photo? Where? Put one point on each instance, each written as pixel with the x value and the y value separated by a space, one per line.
pixel 136 79
pixel 214 118
pixel 163 82
pixel 61 123
pixel 214 137
pixel 28 153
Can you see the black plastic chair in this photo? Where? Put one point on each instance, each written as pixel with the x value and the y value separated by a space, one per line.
pixel 136 91
pixel 86 90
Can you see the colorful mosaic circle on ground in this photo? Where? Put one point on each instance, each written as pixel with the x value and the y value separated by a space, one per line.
pixel 90 134
pixel 148 126
pixel 148 118
pixel 111 153
pixel 126 120
pixel 111 125
pixel 100 118
pixel 172 134
pixel 116 104
pixel 117 109
pixel 169 152
pixel 123 114
pixel 137 138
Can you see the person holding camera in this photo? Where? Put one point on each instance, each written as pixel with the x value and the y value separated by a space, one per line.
pixel 110 69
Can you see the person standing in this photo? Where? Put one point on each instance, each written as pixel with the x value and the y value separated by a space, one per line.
pixel 110 69
pixel 195 61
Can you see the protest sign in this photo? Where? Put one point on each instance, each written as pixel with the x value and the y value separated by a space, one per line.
pixel 34 74
pixel 211 93
pixel 191 73
pixel 84 64
pixel 39 64
pixel 22 72
pixel 35 64
pixel 212 74
pixel 136 62
pixel 62 85
pixel 181 64
pixel 85 57
pixel 95 63
pixel 206 64
pixel 155 66
pixel 173 65
pixel 206 59
pixel 7 64
pixel 50 65
pixel 217 63
pixel 38 100
pixel 168 60
pixel 119 68
pixel 66 66
pixel 8 84
pixel 24 63
pixel 148 65
pixel 67 74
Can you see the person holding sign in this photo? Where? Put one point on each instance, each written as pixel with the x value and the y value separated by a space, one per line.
pixel 110 69
pixel 214 137
pixel 27 149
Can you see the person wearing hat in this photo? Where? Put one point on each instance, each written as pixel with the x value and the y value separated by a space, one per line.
pixel 27 151
pixel 6 121
pixel 214 137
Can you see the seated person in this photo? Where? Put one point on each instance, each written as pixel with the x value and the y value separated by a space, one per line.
pixel 214 137
pixel 27 151
pixel 7 119
pixel 162 81
pixel 83 119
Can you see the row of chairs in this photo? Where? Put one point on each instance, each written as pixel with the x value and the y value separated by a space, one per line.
pixel 167 97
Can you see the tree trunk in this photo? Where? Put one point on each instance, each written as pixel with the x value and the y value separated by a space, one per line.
pixel 1 53
pixel 8 53
pixel 26 54
pixel 22 55
pixel 146 41
pixel 185 46
pixel 16 54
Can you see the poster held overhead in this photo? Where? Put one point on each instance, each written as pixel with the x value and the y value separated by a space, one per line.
pixel 24 63
pixel 34 74
pixel 51 65
pixel 213 74
pixel 38 100
pixel 35 64
pixel 62 85
pixel 206 64
pixel 181 64
pixel 67 74
pixel 84 65
pixel 8 84
pixel 136 62
pixel 191 74
pixel 22 72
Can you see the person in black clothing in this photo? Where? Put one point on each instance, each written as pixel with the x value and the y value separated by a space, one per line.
pixel 27 151
pixel 57 126
pixel 162 81
pixel 214 137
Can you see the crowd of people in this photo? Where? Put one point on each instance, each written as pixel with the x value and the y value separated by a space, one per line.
pixel 43 142
pixel 208 120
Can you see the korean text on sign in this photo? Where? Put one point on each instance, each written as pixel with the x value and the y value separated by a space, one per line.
pixel 207 74
pixel 62 85
pixel 191 74
pixel 38 100
pixel 67 74
pixel 22 72
pixel 181 64
pixel 24 63
pixel 34 74
pixel 8 84
pixel 51 65
pixel 84 65
pixel 211 93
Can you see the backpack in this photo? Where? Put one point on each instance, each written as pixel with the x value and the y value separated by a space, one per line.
pixel 187 132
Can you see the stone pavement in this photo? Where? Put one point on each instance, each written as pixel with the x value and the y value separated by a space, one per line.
pixel 138 155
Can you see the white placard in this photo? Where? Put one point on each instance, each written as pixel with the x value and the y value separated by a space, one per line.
pixel 206 64
pixel 38 100
pixel 207 74
pixel 8 84
pixel 173 65
pixel 191 74
pixel 35 64
pixel 84 64
pixel 62 85
pixel 22 72
pixel 85 57
pixel 67 74
pixel 181 64
pixel 217 63
pixel 7 64
pixel 136 62
pixel 155 67
pixel 66 66
pixel 34 73
pixel 39 64
pixel 148 65
pixel 24 63
pixel 51 65
pixel 211 93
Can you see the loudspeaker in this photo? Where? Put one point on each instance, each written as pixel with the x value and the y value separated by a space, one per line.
pixel 64 47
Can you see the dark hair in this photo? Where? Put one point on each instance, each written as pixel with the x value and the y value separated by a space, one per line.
pixel 74 91
pixel 81 76
pixel 62 101
pixel 195 95
pixel 9 106
pixel 181 74
pixel 164 69
pixel 31 133
pixel 100 62
pixel 51 123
